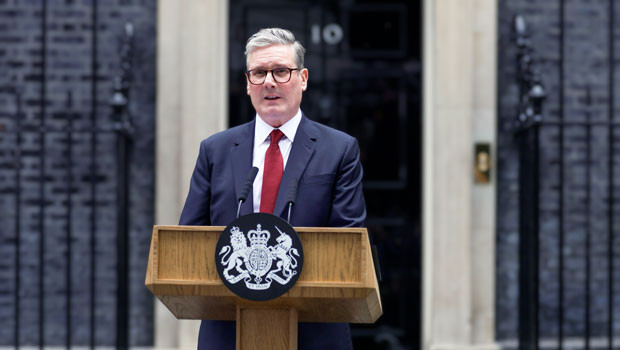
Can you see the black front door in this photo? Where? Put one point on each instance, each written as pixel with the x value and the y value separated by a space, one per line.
pixel 365 79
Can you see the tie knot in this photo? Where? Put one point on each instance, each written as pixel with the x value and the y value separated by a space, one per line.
pixel 276 135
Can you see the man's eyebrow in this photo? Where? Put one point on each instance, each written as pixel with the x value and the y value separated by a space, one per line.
pixel 275 66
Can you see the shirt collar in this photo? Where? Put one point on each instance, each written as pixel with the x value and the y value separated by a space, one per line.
pixel 262 129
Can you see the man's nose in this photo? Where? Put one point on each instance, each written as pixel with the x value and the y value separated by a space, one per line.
pixel 269 81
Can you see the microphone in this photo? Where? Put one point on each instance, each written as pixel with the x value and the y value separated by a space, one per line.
pixel 292 195
pixel 246 188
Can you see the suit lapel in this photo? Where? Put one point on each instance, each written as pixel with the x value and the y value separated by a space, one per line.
pixel 241 158
pixel 301 151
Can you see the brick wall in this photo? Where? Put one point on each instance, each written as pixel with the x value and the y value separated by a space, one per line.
pixel 586 98
pixel 68 69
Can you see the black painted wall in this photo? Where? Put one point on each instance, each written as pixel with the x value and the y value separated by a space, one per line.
pixel 46 53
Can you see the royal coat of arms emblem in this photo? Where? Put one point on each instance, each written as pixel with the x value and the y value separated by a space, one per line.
pixel 251 259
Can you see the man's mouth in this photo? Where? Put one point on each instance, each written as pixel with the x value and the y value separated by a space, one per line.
pixel 271 97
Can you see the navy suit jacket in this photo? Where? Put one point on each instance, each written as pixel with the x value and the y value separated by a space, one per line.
pixel 326 164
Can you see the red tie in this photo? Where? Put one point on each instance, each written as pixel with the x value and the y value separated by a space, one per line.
pixel 272 174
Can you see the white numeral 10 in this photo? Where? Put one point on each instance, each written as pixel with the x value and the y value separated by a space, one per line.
pixel 332 34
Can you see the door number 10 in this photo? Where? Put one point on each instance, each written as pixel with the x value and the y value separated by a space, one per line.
pixel 332 34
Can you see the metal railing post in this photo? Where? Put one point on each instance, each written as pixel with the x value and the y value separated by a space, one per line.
pixel 124 134
pixel 531 98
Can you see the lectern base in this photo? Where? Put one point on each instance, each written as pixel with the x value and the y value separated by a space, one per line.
pixel 262 328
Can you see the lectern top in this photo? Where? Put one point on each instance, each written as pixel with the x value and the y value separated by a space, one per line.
pixel 338 283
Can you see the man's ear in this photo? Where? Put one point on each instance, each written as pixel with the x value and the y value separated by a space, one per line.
pixel 304 79
pixel 247 85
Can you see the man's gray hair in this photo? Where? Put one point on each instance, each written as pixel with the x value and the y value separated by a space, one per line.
pixel 275 36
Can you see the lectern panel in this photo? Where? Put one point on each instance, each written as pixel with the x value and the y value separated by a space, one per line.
pixel 189 250
pixel 332 257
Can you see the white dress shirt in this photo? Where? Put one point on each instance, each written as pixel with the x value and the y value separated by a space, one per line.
pixel 261 143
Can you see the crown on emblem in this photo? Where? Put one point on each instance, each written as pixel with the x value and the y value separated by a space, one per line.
pixel 258 236
pixel 236 234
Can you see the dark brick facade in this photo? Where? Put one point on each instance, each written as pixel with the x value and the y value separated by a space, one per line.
pixel 67 68
pixel 582 68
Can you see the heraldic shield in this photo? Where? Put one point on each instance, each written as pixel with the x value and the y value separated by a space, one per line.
pixel 259 256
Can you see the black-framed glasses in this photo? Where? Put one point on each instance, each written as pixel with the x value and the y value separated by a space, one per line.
pixel 280 75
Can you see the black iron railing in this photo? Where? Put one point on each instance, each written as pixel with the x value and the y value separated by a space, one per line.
pixel 122 128
pixel 533 170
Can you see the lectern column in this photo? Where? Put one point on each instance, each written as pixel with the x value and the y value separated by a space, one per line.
pixel 262 328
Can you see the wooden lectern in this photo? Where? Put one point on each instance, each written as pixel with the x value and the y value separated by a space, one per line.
pixel 337 284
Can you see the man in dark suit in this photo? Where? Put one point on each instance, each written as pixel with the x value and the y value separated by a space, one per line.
pixel 286 147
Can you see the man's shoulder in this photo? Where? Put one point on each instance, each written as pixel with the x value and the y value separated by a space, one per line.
pixel 324 132
pixel 230 136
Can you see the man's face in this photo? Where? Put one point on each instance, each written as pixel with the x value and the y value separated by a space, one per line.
pixel 276 102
